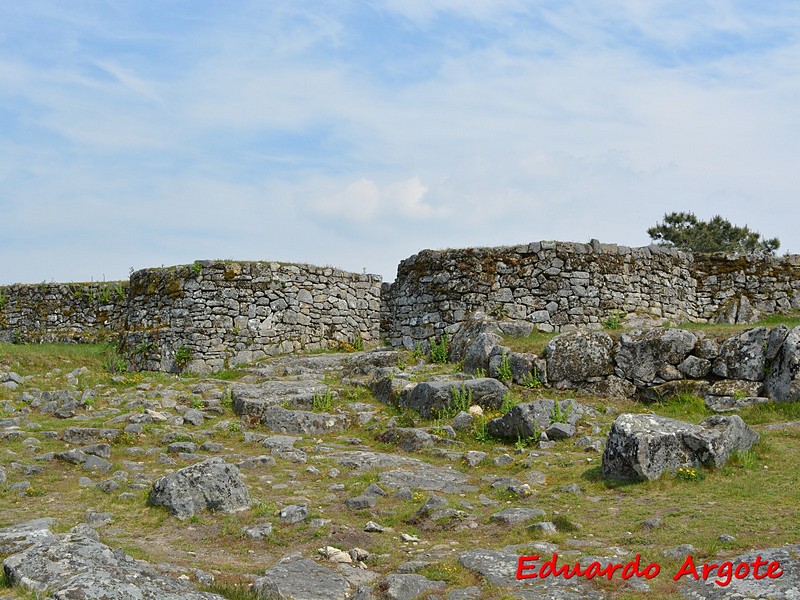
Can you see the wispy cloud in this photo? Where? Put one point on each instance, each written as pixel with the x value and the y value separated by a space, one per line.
pixel 359 133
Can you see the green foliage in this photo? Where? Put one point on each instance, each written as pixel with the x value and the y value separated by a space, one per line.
pixel 3 297
pixel 480 428
pixel 357 343
pixel 112 360
pixel 418 354
pixel 322 402
pixel 197 268
pixel 182 357
pixel 460 400
pixel 504 370
pixel 120 290
pixel 509 402
pixel 531 380
pixel 439 350
pixel 104 294
pixel 614 320
pixel 690 475
pixel 559 415
pixel 531 440
pixel 685 231
pixel 499 312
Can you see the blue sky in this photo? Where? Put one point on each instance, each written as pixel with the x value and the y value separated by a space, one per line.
pixel 356 133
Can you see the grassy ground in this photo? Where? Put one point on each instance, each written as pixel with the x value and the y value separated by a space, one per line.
pixel 755 498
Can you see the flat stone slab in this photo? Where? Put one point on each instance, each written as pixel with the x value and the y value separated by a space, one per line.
pixel 429 478
pixel 785 587
pixel 77 566
pixel 513 516
pixel 364 461
pixel 300 422
pixel 251 400
pixel 301 579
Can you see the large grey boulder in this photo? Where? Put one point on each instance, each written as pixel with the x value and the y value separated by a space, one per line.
pixel 743 356
pixel 643 446
pixel 577 357
pixel 477 324
pixel 431 397
pixel 528 418
pixel 525 368
pixel 783 381
pixel 478 353
pixel 210 485
pixel 387 384
pixel 296 578
pixel 78 566
pixel 645 355
pixel 366 363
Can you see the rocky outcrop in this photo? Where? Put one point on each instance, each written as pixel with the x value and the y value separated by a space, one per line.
pixel 648 357
pixel 212 485
pixel 644 446
pixel 743 356
pixel 76 565
pixel 783 382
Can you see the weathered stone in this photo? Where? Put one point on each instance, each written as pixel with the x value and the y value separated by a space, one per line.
pixel 693 367
pixel 78 566
pixel 21 536
pixel 609 387
pixel 644 446
pixel 430 398
pixel 210 485
pixel 258 532
pixel 361 502
pixel 408 586
pixel 476 325
pixel 367 363
pixel 641 353
pixel 783 381
pixel 89 435
pixel 388 384
pixel 574 358
pixel 514 516
pixel 560 431
pixel 529 418
pixel 301 422
pixel 743 356
pixel 784 587
pixel 294 513
pixel 301 579
pixel 409 439
pixel 427 477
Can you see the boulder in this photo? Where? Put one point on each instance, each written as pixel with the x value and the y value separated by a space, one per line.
pixel 642 353
pixel 526 368
pixel 478 323
pixel 210 485
pixel 387 384
pixel 366 363
pixel 478 353
pixel 409 439
pixel 580 356
pixel 643 446
pixel 430 398
pixel 739 311
pixel 743 356
pixel 783 382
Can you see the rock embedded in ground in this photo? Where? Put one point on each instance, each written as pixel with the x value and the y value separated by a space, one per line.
pixel 78 566
pixel 527 419
pixel 212 485
pixel 431 398
pixel 644 446
pixel 301 579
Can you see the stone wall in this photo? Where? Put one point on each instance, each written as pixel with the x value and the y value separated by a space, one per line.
pixel 212 315
pixel 58 312
pixel 562 286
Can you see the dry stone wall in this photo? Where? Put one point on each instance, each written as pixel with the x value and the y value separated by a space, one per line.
pixel 212 315
pixel 59 312
pixel 563 286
